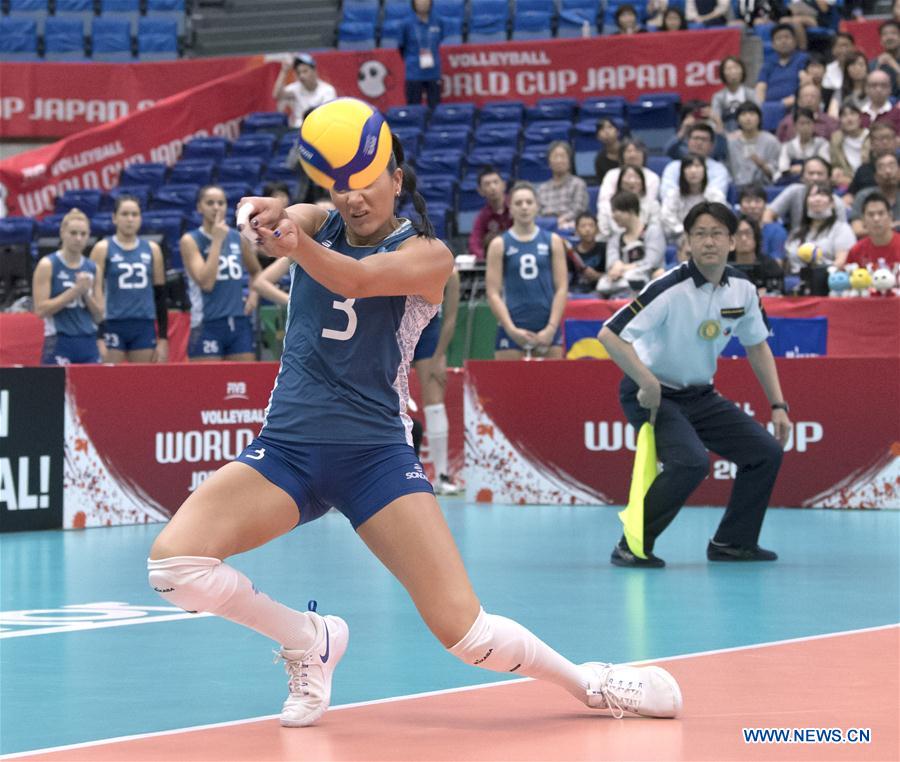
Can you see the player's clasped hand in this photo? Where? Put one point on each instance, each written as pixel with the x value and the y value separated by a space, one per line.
pixel 782 425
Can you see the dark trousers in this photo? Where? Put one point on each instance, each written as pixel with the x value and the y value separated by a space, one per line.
pixel 690 422
pixel 431 88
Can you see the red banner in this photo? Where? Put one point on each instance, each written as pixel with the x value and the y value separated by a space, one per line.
pixel 94 158
pixel 519 449
pixel 865 35
pixel 52 100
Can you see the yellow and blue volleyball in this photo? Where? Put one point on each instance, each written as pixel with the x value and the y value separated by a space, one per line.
pixel 810 253
pixel 344 144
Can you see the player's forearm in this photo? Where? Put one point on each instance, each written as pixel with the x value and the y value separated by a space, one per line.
pixel 763 364
pixel 559 306
pixel 498 307
pixel 623 355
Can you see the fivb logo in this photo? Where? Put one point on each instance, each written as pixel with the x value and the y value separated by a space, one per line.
pixel 236 390
pixel 14 490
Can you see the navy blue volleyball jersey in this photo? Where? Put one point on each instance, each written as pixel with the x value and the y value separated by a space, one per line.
pixel 528 279
pixel 74 319
pixel 129 281
pixel 227 297
pixel 344 369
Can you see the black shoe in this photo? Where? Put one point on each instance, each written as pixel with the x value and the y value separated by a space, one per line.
pixel 622 556
pixel 716 552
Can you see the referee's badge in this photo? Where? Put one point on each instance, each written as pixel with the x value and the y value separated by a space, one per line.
pixel 710 330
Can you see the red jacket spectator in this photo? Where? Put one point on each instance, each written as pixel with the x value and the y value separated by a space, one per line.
pixel 865 252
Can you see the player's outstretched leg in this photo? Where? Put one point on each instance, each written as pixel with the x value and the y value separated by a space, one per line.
pixel 436 579
pixel 186 570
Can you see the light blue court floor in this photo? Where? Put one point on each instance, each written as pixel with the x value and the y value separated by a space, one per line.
pixel 68 677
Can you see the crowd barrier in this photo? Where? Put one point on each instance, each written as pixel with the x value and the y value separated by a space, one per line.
pixel 91 446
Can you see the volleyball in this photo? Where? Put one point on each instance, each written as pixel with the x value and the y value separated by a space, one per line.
pixel 344 144
pixel 810 253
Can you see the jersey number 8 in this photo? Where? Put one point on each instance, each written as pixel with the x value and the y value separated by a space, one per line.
pixel 528 269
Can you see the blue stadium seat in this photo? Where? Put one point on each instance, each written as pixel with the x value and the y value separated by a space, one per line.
pixel 178 196
pixel 150 174
pixel 469 197
pixel 438 190
pixel 449 8
pixel 102 225
pixel 124 10
pixel 29 10
pixel 192 171
pixel 653 111
pixel 593 194
pixel 532 25
pixel 205 148
pixel 140 192
pixel 772 114
pixel 571 23
pixel 439 214
pixel 501 111
pixel 111 39
pixel 389 32
pixel 610 107
pixel 407 116
pixel 16 230
pixel 168 224
pixel 396 10
pixel 78 10
pixel 410 138
pixel 533 166
pixel 551 109
pixel 356 35
pixel 48 226
pixel 585 135
pixel 258 144
pixel 500 158
pixel 453 29
pixel 488 21
pixel 497 134
pixel 442 162
pixel 167 10
pixel 454 136
pixel 63 39
pixel 281 173
pixel 264 121
pixel 365 11
pixel 157 39
pixel 88 200
pixel 453 113
pixel 234 192
pixel 544 133
pixel 240 169
pixel 657 164
pixel 18 39
pixel 547 222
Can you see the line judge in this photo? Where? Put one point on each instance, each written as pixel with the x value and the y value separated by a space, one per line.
pixel 667 341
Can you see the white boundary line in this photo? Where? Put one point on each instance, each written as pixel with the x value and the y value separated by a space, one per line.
pixel 101 625
pixel 426 694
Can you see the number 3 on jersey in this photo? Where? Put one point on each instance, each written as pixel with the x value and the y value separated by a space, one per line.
pixel 346 307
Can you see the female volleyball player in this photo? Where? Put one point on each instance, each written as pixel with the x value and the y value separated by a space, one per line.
pixel 364 284
pixel 61 289
pixel 131 286
pixel 527 282
pixel 217 261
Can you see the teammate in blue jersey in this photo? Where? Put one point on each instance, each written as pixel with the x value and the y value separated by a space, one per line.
pixel 527 283
pixel 62 292
pixel 336 433
pixel 430 364
pixel 131 286
pixel 218 261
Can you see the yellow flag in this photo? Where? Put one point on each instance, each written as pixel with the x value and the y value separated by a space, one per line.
pixel 641 478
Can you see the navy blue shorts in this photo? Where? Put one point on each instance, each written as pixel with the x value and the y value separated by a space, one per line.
pixel 128 334
pixel 70 350
pixel 428 339
pixel 357 480
pixel 504 342
pixel 220 338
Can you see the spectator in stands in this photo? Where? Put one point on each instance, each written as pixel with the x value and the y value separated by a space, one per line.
pixel 803 14
pixel 306 93
pixel 887 178
pixel 804 145
pixel 753 13
pixel 877 103
pixel 627 20
pixel 694 113
pixel 278 190
pixel 527 288
pixel 752 204
pixel 707 12
pixel 748 256
pixel 790 204
pixel 779 78
pixel 819 224
pixel 888 60
pixel 564 195
pixel 882 139
pixel 881 242
pixel 217 260
pixel 693 187
pixel 62 290
pixel 814 73
pixel 849 146
pixel 608 156
pixel 853 83
pixel 752 152
pixel 673 20
pixel 632 153
pixel 587 258
pixel 725 102
pixel 701 139
pixel 495 217
pixel 420 43
pixel 130 286
pixel 843 45
pixel 809 97
pixel 630 179
pixel 636 254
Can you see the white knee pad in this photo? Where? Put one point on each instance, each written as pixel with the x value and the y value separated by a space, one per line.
pixel 436 422
pixel 193 583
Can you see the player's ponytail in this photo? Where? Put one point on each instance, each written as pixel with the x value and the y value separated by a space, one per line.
pixel 423 227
